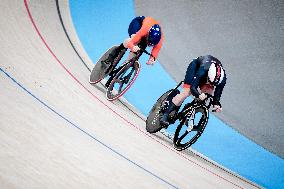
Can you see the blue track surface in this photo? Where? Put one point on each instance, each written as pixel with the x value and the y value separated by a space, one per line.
pixel 100 25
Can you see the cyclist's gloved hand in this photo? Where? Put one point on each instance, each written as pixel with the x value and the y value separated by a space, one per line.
pixel 217 108
pixel 135 48
pixel 151 61
pixel 202 96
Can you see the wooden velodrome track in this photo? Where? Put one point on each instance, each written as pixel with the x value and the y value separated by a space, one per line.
pixel 58 131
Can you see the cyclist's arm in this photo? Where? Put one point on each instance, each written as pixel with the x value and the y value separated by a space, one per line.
pixel 196 81
pixel 218 91
pixel 156 49
pixel 137 38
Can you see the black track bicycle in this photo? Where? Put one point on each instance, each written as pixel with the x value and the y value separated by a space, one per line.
pixel 121 77
pixel 192 118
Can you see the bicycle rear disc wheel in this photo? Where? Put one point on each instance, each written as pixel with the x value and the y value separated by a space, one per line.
pixel 185 136
pixel 99 72
pixel 101 69
pixel 122 81
pixel 153 120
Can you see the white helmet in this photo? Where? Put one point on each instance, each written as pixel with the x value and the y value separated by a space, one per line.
pixel 215 73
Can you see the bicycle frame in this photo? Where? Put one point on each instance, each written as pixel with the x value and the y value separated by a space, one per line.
pixel 190 107
pixel 129 61
pixel 178 85
pixel 122 75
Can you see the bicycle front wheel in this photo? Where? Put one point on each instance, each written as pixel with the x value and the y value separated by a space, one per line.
pixel 188 131
pixel 123 81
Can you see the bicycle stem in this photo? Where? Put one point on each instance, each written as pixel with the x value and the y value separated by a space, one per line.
pixel 145 51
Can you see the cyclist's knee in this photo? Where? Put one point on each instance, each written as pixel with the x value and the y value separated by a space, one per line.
pixel 179 98
pixel 186 92
pixel 125 42
pixel 183 96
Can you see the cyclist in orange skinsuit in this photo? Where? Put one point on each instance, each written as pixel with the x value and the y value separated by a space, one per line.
pixel 143 32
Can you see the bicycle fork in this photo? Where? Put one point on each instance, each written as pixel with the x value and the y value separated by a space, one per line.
pixel 190 121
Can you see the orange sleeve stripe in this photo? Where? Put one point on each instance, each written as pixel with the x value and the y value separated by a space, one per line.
pixel 186 86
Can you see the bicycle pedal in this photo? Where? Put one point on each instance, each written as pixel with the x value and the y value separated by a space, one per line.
pixel 165 106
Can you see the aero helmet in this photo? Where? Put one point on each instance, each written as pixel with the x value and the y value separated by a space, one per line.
pixel 154 35
pixel 215 74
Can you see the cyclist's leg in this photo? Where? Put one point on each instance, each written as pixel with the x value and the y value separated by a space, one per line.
pixel 175 103
pixel 177 100
pixel 164 119
pixel 190 73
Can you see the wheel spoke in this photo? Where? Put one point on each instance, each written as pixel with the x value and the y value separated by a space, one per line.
pixel 185 137
pixel 182 136
pixel 121 81
pixel 118 80
pixel 120 87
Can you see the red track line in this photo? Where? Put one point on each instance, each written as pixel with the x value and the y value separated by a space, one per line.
pixel 62 65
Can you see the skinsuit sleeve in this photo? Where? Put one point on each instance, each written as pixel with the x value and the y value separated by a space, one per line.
pixel 218 91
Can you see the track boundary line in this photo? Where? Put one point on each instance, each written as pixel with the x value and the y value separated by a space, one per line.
pixel 108 107
pixel 83 131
